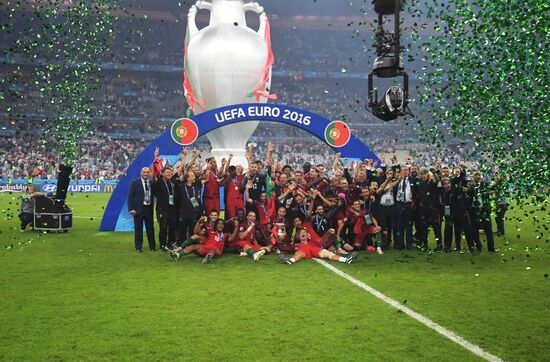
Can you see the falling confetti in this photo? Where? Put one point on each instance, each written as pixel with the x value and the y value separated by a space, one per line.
pixel 62 46
pixel 484 82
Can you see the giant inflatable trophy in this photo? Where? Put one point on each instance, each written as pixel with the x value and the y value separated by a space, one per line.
pixel 227 63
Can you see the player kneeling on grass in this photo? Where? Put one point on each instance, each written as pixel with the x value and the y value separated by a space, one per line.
pixel 308 249
pixel 211 245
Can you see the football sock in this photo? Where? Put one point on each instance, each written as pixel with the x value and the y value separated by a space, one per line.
pixel 250 252
pixel 342 259
pixel 378 239
pixel 293 260
pixel 188 242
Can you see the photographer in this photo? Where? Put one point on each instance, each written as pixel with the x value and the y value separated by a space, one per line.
pixel 26 213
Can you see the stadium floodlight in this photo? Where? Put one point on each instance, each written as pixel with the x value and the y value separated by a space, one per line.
pixel 388 64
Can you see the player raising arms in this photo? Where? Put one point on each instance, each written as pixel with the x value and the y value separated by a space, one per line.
pixel 308 249
pixel 212 244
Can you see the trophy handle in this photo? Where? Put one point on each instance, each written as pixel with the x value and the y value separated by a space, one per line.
pixel 192 15
pixel 263 22
pixel 258 9
pixel 203 5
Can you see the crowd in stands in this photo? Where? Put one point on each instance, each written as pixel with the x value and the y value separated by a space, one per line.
pixel 134 107
pixel 24 157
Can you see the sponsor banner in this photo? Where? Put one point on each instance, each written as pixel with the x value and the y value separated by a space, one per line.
pixel 13 188
pixel 51 185
pixel 51 188
pixel 39 181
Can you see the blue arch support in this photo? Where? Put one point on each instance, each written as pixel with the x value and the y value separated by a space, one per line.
pixel 116 216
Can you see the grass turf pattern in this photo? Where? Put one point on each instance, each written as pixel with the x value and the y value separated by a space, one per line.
pixel 88 295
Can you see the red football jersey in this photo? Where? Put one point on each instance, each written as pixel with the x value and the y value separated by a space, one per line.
pixel 314 237
pixel 250 236
pixel 212 187
pixel 263 212
pixel 207 226
pixel 232 188
pixel 217 238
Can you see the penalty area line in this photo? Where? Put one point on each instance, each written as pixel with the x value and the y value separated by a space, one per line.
pixel 411 313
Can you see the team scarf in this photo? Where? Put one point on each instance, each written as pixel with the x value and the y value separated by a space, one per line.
pixel 262 89
pixel 187 86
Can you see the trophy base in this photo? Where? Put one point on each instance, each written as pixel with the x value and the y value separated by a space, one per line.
pixel 239 156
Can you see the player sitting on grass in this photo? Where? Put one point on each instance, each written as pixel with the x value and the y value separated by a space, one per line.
pixel 211 245
pixel 205 224
pixel 309 248
pixel 362 225
pixel 247 244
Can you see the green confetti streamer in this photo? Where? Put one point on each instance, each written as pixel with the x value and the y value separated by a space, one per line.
pixel 63 44
pixel 484 81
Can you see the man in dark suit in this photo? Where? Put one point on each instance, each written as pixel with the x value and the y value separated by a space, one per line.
pixel 479 193
pixel 427 209
pixel 140 204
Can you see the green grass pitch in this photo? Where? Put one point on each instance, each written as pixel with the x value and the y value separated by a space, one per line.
pixel 85 295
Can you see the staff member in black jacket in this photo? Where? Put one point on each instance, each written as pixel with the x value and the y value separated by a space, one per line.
pixel 258 183
pixel 190 207
pixel 481 212
pixel 165 191
pixel 427 209
pixel 140 204
pixel 459 209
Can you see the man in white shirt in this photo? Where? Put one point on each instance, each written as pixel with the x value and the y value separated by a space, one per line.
pixel 404 196
pixel 387 214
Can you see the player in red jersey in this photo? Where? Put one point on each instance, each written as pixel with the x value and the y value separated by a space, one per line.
pixel 212 245
pixel 247 244
pixel 206 224
pixel 309 248
pixel 279 230
pixel 212 186
pixel 361 224
pixel 234 198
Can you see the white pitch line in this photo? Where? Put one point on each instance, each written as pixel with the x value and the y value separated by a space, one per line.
pixel 419 317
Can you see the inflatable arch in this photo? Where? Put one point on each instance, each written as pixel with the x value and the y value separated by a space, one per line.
pixel 185 131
